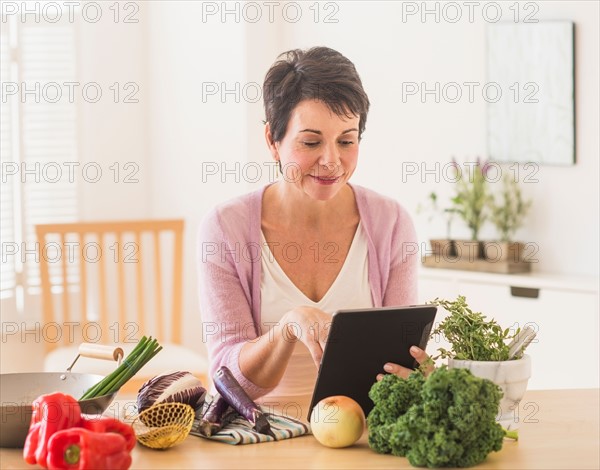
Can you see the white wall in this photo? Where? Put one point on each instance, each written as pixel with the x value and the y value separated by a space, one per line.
pixel 114 133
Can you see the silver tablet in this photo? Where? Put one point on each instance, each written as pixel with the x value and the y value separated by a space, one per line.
pixel 360 342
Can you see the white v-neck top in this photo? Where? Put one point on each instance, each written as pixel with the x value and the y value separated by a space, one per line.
pixel 280 295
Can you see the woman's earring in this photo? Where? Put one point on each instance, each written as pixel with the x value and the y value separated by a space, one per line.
pixel 280 169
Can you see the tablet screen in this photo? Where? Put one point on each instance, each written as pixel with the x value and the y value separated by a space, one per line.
pixel 360 342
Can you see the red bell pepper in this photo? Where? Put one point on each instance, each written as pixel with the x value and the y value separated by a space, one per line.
pixel 79 448
pixel 31 443
pixel 106 424
pixel 51 413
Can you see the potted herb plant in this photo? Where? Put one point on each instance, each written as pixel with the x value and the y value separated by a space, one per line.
pixel 507 213
pixel 440 246
pixel 488 351
pixel 470 202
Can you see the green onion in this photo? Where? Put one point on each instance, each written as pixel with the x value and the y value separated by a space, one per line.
pixel 145 350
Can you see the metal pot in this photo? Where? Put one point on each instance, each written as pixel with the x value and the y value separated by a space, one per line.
pixel 18 391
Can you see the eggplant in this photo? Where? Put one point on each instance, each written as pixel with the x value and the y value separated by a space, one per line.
pixel 231 390
pixel 218 415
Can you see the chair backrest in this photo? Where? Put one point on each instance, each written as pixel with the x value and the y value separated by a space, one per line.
pixel 86 287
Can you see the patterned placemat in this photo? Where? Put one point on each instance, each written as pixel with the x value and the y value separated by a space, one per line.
pixel 239 431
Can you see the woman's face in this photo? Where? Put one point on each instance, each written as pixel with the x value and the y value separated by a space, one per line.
pixel 319 151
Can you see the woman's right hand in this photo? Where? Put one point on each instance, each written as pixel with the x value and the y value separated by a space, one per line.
pixel 310 326
pixel 420 356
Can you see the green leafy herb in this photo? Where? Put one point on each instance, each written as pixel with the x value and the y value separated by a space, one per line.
pixel 472 195
pixel 471 335
pixel 509 209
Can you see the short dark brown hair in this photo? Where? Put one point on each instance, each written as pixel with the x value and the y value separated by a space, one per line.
pixel 319 73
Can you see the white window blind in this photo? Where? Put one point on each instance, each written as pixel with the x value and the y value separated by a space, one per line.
pixel 7 221
pixel 39 141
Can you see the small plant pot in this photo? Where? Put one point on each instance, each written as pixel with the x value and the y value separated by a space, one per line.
pixel 510 376
pixel 469 250
pixel 496 251
pixel 443 247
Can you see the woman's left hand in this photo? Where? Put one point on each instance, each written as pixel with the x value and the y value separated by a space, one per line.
pixel 403 372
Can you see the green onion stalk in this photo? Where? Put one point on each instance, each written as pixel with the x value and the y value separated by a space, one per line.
pixel 145 350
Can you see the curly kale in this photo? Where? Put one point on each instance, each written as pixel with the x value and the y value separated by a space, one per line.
pixel 446 420
pixel 392 397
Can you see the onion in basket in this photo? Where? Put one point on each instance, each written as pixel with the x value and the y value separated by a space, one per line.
pixel 177 387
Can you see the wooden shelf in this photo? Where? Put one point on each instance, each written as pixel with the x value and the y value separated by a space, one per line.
pixel 479 265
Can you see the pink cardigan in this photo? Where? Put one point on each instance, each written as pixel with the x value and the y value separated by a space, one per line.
pixel 229 270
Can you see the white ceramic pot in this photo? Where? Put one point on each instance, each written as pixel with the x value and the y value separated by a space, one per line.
pixel 510 376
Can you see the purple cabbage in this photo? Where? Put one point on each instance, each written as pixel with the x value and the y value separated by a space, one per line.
pixel 177 387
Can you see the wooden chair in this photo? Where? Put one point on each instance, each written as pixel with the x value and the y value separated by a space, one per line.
pixel 108 282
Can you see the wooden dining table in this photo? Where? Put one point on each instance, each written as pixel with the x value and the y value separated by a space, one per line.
pixel 558 429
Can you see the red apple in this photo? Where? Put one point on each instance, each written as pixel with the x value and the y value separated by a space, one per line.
pixel 337 421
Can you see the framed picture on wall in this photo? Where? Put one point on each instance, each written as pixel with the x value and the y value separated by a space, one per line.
pixel 530 92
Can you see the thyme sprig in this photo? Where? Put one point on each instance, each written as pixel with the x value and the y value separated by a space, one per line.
pixel 471 335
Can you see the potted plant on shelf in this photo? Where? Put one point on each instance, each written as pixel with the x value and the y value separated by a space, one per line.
pixel 470 202
pixel 507 213
pixel 489 352
pixel 440 246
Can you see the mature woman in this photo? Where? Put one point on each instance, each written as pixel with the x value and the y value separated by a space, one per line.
pixel 276 263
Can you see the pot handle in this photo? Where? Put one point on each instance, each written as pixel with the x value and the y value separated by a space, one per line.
pixel 98 351
pixel 101 351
